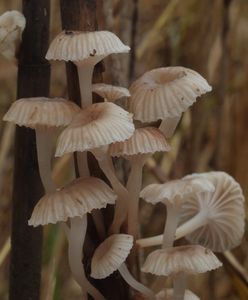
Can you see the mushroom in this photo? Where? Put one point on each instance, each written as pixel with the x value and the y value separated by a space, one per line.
pixel 212 219
pixel 12 24
pixel 110 256
pixel 178 262
pixel 93 130
pixel 165 93
pixel 85 50
pixel 109 92
pixel 44 115
pixel 167 294
pixel 143 143
pixel 173 194
pixel 72 203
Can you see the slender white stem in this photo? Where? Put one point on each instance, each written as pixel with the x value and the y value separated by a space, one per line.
pixel 44 144
pixel 170 227
pixel 134 184
pixel 83 164
pixel 75 253
pixel 85 72
pixel 179 283
pixel 191 225
pixel 127 276
pixel 169 125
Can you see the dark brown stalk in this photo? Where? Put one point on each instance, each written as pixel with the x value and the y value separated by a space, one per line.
pixel 33 80
pixel 82 15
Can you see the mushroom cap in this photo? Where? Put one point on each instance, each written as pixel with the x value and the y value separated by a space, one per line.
pixel 110 255
pixel 168 295
pixel 144 141
pixel 192 259
pixel 76 199
pixel 98 125
pixel 12 24
pixel 223 210
pixel 165 93
pixel 41 111
pixel 110 92
pixel 89 47
pixel 176 190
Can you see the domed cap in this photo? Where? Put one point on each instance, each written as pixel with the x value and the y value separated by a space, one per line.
pixel 110 92
pixel 98 125
pixel 168 295
pixel 41 111
pixel 81 196
pixel 12 24
pixel 165 93
pixel 176 190
pixel 173 260
pixel 89 47
pixel 223 211
pixel 143 141
pixel 110 255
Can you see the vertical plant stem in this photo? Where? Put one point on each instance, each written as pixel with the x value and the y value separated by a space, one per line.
pixel 33 81
pixel 170 225
pixel 179 284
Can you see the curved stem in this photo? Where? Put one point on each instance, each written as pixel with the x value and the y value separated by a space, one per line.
pixel 127 276
pixel 75 253
pixel 170 227
pixel 169 125
pixel 179 283
pixel 85 72
pixel 44 144
pixel 189 226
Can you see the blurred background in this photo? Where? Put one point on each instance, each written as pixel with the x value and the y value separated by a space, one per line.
pixel 210 37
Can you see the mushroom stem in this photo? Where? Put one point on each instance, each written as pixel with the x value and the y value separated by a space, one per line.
pixel 85 73
pixel 169 125
pixel 44 144
pixel 127 276
pixel 179 283
pixel 191 225
pixel 134 184
pixel 82 163
pixel 75 252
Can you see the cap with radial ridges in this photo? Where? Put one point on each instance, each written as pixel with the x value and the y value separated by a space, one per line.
pixel 168 295
pixel 110 92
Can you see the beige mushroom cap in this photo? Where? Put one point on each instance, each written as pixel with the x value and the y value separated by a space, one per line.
pixel 41 111
pixel 176 190
pixel 191 259
pixel 223 210
pixel 12 24
pixel 98 125
pixel 76 199
pixel 165 93
pixel 168 295
pixel 89 47
pixel 110 255
pixel 110 92
pixel 144 141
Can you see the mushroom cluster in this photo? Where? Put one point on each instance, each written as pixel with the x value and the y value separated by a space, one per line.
pixel 207 209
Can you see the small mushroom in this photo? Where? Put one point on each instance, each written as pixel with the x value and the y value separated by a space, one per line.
pixel 109 92
pixel 110 256
pixel 167 294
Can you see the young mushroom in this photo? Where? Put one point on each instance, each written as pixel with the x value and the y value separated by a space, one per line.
pixel 143 143
pixel 110 256
pixel 12 24
pixel 212 219
pixel 109 92
pixel 178 262
pixel 71 204
pixel 44 115
pixel 164 94
pixel 167 294
pixel 173 194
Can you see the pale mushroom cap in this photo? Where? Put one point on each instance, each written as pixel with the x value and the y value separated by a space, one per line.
pixel 85 46
pixel 74 200
pixel 165 93
pixel 41 111
pixel 110 255
pixel 12 24
pixel 110 92
pixel 191 259
pixel 98 125
pixel 143 141
pixel 223 210
pixel 176 190
pixel 167 294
